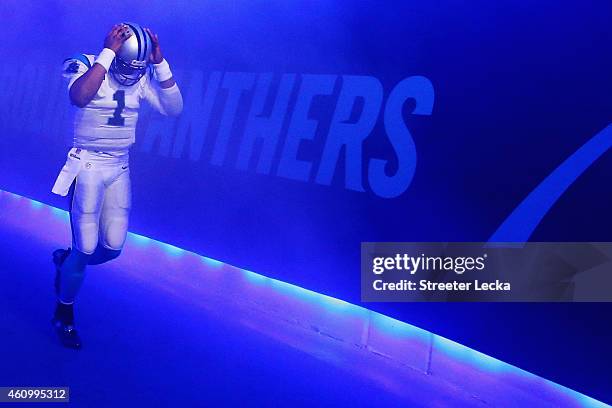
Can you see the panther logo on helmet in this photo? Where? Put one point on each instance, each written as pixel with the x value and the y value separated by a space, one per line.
pixel 131 60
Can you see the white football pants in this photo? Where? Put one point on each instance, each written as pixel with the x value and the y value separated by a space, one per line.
pixel 101 201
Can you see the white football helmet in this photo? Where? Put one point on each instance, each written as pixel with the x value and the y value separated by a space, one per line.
pixel 131 60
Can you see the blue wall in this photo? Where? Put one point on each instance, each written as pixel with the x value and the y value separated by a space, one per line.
pixel 463 110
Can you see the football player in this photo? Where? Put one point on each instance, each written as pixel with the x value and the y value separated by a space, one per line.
pixel 107 89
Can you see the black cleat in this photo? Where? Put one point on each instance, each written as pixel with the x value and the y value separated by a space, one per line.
pixel 59 256
pixel 67 334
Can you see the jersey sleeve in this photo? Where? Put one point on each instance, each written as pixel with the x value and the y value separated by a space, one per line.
pixel 74 67
pixel 168 101
pixel 151 96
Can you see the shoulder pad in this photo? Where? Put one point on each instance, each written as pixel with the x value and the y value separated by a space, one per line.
pixel 79 57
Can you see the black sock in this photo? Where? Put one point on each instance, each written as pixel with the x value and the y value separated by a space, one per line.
pixel 65 313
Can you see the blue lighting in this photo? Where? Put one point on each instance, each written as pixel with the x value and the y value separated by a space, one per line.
pixel 61 214
pixel 12 195
pixel 212 262
pixel 171 249
pixel 474 358
pixel 335 305
pixel 139 240
pixel 392 327
pixel 256 278
pixel 296 292
pixel 36 204
pixel 397 328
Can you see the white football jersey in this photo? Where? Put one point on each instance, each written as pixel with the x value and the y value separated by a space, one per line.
pixel 108 122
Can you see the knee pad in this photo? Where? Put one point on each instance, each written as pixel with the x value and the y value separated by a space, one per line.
pixel 85 213
pixel 114 232
pixel 114 227
pixel 84 231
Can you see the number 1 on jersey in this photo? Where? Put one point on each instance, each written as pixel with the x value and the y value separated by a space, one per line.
pixel 117 119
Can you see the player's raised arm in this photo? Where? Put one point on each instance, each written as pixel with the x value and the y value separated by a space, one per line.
pixel 167 97
pixel 160 65
pixel 84 89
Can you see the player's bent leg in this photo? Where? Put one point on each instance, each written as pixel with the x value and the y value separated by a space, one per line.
pixel 84 219
pixel 85 210
pixel 72 271
pixel 58 257
pixel 114 218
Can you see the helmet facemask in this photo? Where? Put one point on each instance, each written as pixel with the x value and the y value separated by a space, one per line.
pixel 127 73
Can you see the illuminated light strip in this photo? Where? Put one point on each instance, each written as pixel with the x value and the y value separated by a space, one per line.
pixel 437 356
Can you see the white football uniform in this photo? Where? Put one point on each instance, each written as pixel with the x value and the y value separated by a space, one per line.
pixel 108 122
pixel 104 130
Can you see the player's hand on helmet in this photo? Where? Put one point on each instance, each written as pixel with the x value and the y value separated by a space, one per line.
pixel 117 35
pixel 156 54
